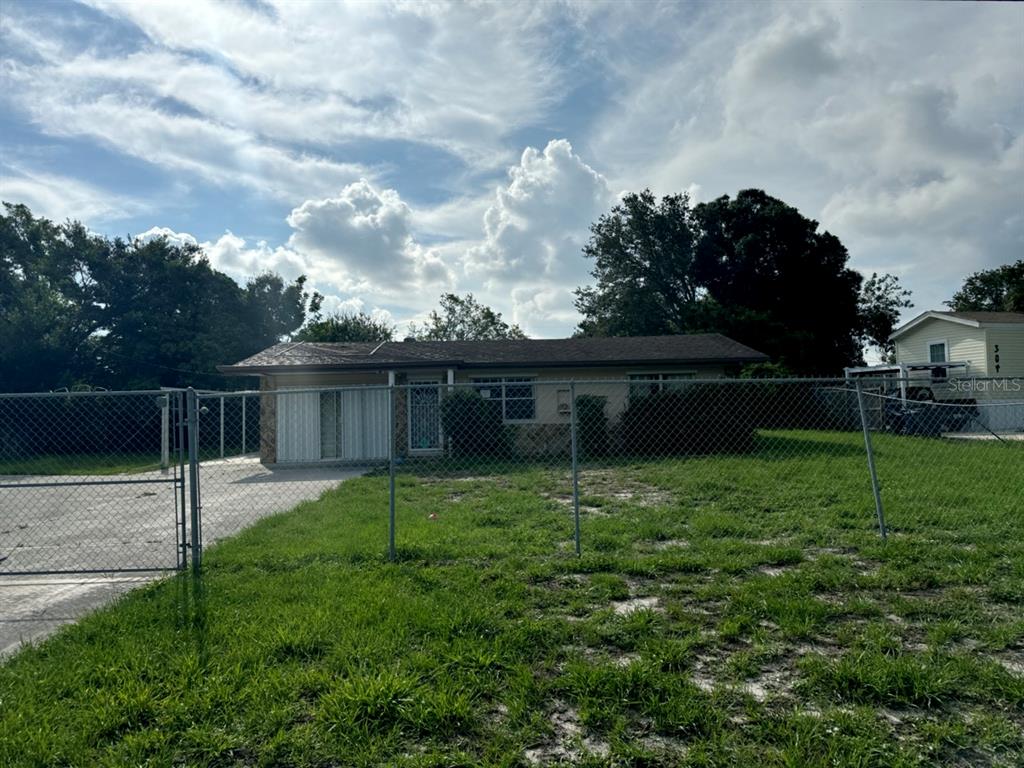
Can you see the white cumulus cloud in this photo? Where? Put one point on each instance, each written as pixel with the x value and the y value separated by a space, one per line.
pixel 366 233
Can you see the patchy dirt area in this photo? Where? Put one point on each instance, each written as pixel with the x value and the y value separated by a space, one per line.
pixel 614 485
pixel 568 741
pixel 585 509
pixel 626 607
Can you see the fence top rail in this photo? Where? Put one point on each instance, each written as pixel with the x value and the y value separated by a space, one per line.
pixel 835 381
pixel 941 404
pixel 96 393
pixel 836 384
pixel 839 385
pixel 845 383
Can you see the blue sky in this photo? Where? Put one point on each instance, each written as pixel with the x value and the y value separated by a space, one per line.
pixel 393 151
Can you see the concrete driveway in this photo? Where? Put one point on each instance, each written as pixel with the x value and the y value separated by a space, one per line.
pixel 125 526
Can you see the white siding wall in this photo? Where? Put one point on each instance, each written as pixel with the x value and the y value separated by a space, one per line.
pixel 963 343
pixel 298 427
pixel 364 425
pixel 1011 351
pixel 363 429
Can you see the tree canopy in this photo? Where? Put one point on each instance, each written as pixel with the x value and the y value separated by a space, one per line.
pixel 751 267
pixel 80 309
pixel 341 326
pixel 462 318
pixel 992 290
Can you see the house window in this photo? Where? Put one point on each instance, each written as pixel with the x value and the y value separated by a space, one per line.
pixel 937 352
pixel 641 384
pixel 516 394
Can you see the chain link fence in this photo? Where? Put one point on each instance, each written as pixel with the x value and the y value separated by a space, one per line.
pixel 119 481
pixel 595 453
pixel 92 482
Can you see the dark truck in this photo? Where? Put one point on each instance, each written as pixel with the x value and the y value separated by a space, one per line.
pixel 921 414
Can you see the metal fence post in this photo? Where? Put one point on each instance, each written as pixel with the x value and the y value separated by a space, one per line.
pixel 871 461
pixel 165 432
pixel 243 424
pixel 180 419
pixel 222 426
pixel 391 473
pixel 193 477
pixel 575 466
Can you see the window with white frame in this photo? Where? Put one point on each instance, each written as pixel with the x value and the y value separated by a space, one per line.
pixel 937 352
pixel 516 394
pixel 641 384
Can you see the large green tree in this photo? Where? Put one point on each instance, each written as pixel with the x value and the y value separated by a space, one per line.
pixel 46 320
pixel 882 299
pixel 77 308
pixel 461 318
pixel 342 326
pixel 992 290
pixel 751 267
pixel 643 254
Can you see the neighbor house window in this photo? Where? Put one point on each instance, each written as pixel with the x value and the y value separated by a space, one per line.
pixel 641 384
pixel 515 393
pixel 937 352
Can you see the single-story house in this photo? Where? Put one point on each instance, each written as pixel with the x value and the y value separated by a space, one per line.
pixel 317 424
pixel 961 356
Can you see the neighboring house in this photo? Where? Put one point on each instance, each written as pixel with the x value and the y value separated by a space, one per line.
pixel 351 424
pixel 961 356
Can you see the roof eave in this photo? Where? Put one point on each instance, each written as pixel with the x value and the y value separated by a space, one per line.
pixel 245 370
pixel 931 315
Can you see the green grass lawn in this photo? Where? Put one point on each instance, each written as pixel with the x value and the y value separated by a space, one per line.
pixel 81 464
pixel 726 611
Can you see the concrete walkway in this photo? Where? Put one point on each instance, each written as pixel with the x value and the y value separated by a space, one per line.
pixel 107 527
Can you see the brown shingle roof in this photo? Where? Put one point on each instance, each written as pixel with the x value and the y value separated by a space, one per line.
pixel 585 352
pixel 988 317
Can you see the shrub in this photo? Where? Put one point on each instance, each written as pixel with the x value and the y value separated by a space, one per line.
pixel 695 419
pixel 591 425
pixel 473 426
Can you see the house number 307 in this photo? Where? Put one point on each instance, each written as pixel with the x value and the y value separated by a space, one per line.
pixel 995 358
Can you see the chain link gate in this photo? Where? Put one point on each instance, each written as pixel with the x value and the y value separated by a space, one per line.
pixel 93 482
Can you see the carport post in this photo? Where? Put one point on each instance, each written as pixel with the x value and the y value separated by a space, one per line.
pixel 193 477
pixel 391 472
pixel 575 466
pixel 871 461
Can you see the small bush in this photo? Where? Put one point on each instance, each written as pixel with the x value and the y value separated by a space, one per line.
pixel 473 426
pixel 592 425
pixel 696 419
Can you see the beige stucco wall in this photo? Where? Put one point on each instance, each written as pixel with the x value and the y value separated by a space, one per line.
pixel 963 343
pixel 589 383
pixel 546 432
pixel 546 387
